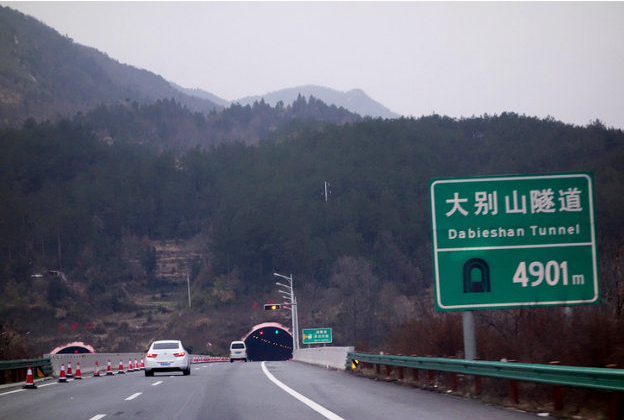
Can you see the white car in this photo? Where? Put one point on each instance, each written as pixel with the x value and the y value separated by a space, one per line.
pixel 167 356
pixel 238 351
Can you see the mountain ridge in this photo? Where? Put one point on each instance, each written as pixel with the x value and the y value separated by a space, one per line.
pixel 46 76
pixel 354 100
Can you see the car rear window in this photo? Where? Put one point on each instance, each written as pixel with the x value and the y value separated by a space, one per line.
pixel 166 346
pixel 238 345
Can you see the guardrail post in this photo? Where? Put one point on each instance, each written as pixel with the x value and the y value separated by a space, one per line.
pixel 478 385
pixel 513 388
pixel 415 374
pixel 388 371
pixel 454 381
pixel 400 372
pixel 557 392
pixel 377 368
pixel 453 378
pixel 616 409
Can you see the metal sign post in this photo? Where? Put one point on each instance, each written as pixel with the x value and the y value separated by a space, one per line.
pixel 289 294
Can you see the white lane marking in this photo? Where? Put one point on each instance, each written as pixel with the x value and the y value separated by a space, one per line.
pixel 22 389
pixel 157 383
pixel 12 392
pixel 316 407
pixel 133 396
pixel 98 417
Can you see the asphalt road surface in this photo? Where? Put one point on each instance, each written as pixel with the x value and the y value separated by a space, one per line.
pixel 240 391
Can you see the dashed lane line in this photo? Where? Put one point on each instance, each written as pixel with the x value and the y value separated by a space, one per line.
pixel 133 396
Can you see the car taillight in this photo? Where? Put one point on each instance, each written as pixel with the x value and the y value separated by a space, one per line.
pixel 181 354
pixel 151 355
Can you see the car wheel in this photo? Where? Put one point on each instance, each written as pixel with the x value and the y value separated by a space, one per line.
pixel 231 360
pixel 149 373
pixel 187 371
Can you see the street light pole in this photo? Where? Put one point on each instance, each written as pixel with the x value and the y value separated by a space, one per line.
pixel 293 307
pixel 188 286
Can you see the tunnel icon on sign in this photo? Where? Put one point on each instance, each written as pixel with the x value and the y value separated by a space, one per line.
pixel 476 275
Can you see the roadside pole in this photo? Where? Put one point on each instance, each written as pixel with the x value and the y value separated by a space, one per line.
pixel 470 341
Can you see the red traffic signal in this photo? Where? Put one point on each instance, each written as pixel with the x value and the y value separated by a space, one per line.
pixel 272 306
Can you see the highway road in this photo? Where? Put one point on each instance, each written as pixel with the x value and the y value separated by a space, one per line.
pixel 240 391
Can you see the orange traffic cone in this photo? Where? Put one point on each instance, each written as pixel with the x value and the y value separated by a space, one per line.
pixel 120 371
pixel 109 370
pixel 69 373
pixel 97 370
pixel 30 383
pixel 142 365
pixel 136 365
pixel 78 374
pixel 130 366
pixel 62 377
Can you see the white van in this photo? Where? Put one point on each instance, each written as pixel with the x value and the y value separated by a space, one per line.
pixel 238 351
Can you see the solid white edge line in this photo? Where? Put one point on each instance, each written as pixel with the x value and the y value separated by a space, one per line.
pixel 12 392
pixel 316 407
pixel 22 389
pixel 98 417
pixel 133 396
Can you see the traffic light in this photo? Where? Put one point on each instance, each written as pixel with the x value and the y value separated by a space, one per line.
pixel 272 306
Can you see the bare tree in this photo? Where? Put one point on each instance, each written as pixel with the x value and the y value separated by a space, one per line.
pixel 353 279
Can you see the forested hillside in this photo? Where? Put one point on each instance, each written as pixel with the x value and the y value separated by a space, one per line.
pixel 167 125
pixel 46 76
pixel 98 210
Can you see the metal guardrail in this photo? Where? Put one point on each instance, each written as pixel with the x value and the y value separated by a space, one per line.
pixel 15 370
pixel 607 379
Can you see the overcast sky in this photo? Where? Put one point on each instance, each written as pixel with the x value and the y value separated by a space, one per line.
pixel 563 59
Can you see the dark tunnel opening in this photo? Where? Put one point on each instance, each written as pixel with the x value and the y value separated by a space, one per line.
pixel 74 350
pixel 269 343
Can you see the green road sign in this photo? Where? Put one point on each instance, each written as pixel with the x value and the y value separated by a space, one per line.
pixel 317 335
pixel 513 241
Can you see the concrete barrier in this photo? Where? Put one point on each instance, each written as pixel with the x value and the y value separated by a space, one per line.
pixel 87 361
pixel 329 357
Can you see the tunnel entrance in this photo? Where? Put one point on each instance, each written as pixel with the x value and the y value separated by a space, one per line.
pixel 76 347
pixel 269 341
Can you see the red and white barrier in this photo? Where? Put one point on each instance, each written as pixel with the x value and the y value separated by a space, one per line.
pixel 78 373
pixel 30 382
pixel 62 376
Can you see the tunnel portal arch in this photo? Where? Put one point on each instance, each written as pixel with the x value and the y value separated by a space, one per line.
pixel 269 341
pixel 76 347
